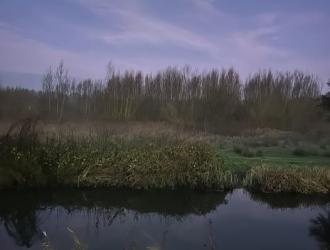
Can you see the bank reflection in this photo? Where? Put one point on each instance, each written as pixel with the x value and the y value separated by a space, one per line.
pixel 19 211
pixel 320 229
pixel 289 201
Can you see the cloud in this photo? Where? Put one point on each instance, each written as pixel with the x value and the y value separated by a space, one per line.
pixel 20 54
pixel 140 28
pixel 267 18
pixel 133 34
pixel 253 44
pixel 291 19
pixel 206 6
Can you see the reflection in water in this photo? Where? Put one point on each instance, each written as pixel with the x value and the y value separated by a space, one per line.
pixel 22 228
pixel 284 201
pixel 320 229
pixel 19 211
pixel 20 219
pixel 320 225
pixel 165 220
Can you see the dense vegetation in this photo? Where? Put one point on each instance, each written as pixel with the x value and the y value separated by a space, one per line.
pixel 217 100
pixel 207 102
pixel 27 160
pixel 31 159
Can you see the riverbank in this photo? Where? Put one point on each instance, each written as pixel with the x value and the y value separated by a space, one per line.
pixel 30 159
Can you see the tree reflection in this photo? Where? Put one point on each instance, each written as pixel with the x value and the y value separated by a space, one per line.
pixel 23 228
pixel 20 219
pixel 166 203
pixel 320 229
pixel 19 212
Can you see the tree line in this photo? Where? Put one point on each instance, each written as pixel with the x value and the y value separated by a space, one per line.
pixel 212 100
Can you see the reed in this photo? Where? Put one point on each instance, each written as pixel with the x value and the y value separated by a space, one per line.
pixel 138 163
pixel 306 180
pixel 77 243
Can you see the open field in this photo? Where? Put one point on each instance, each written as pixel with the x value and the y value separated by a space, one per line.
pixel 159 156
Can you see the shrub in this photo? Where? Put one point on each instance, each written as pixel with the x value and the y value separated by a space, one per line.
pixel 18 155
pixel 291 180
pixel 262 141
pixel 247 152
pixel 190 165
pixel 304 151
pixel 259 153
pixel 237 149
pixel 138 163
pixel 299 152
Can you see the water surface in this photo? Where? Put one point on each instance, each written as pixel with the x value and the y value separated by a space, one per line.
pixel 164 220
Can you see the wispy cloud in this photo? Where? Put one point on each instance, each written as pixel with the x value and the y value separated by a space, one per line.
pixel 140 28
pixel 254 44
pixel 139 34
pixel 26 55
pixel 206 6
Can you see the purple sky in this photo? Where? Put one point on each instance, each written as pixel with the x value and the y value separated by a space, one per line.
pixel 152 34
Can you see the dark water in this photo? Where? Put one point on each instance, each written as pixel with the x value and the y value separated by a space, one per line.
pixel 166 220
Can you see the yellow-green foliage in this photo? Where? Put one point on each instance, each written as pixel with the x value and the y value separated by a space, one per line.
pixel 181 164
pixel 294 179
pixel 141 163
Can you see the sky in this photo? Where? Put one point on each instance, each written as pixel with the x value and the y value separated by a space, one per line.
pixel 149 35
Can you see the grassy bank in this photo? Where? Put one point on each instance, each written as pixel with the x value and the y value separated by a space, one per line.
pixel 26 160
pixel 30 158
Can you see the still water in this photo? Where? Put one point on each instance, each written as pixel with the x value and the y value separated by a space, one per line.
pixel 164 220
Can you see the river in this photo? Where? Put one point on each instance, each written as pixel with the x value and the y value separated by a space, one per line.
pixel 103 219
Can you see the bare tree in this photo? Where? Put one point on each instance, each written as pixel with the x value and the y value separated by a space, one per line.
pixel 61 89
pixel 214 99
pixel 48 86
